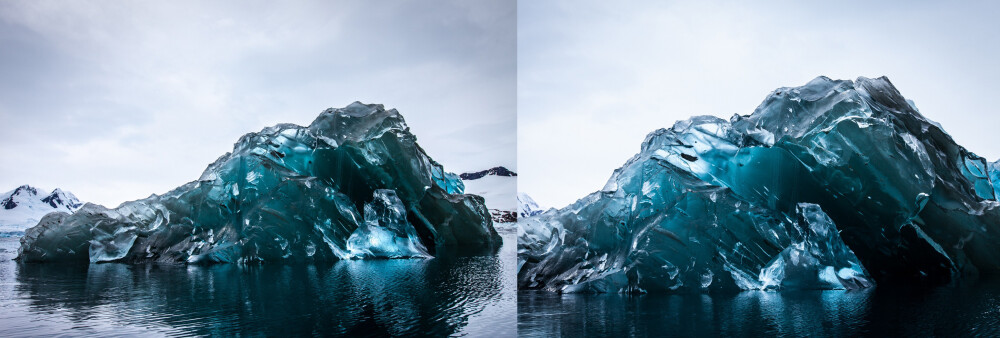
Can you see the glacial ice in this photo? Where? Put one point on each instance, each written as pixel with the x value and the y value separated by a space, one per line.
pixel 385 232
pixel 995 177
pixel 352 184
pixel 816 258
pixel 833 185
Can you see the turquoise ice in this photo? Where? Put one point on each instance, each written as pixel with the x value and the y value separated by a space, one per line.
pixel 832 185
pixel 353 184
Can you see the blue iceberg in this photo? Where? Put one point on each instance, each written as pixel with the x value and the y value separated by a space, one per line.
pixel 353 184
pixel 833 185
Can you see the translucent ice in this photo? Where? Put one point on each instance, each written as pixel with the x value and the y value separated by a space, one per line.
pixel 385 232
pixel 353 184
pixel 723 200
pixel 816 258
pixel 995 177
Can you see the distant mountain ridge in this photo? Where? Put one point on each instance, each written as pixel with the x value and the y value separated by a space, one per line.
pixel 24 206
pixel 526 206
pixel 498 185
pixel 495 171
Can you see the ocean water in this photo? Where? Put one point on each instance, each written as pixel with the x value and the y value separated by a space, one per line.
pixel 468 295
pixel 968 310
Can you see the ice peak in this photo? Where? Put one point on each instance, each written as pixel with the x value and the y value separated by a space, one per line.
pixel 356 122
pixel 357 109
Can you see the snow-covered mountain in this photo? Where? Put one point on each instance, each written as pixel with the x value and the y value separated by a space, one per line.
pixel 526 206
pixel 21 208
pixel 495 171
pixel 498 186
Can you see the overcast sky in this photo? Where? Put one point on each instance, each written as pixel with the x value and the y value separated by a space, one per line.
pixel 115 100
pixel 594 79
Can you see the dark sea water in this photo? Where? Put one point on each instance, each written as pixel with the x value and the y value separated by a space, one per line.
pixel 971 310
pixel 471 295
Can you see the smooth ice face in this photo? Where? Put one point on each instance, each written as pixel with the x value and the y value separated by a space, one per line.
pixel 995 177
pixel 715 204
pixel 287 193
pixel 385 232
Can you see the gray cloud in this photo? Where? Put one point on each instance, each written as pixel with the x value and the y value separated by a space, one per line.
pixel 115 101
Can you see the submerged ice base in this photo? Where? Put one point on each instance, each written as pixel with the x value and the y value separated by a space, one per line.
pixel 832 185
pixel 353 184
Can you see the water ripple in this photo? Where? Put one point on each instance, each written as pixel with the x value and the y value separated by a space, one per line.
pixel 470 295
pixel 968 310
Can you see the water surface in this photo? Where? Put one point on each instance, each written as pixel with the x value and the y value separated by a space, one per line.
pixel 971 310
pixel 468 295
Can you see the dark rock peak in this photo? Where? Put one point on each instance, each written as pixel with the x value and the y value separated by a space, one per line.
pixel 503 216
pixel 8 203
pixel 25 189
pixel 495 171
pixel 56 199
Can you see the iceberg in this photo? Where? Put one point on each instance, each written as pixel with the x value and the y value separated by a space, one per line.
pixel 836 184
pixel 353 184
